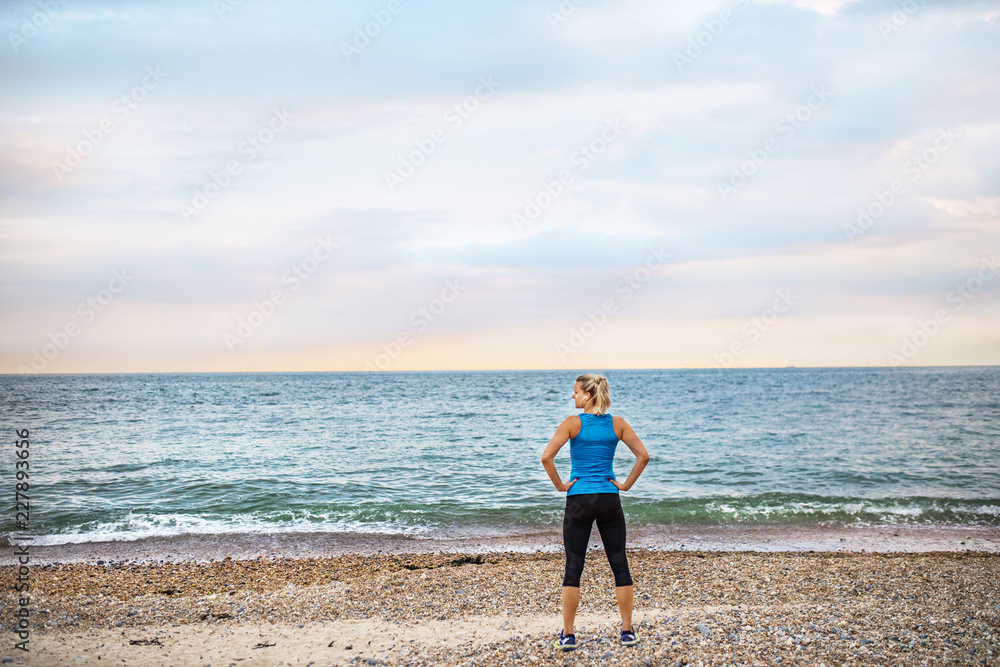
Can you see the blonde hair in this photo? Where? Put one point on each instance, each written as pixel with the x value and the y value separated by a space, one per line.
pixel 597 387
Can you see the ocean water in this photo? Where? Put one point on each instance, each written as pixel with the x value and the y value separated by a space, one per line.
pixel 439 454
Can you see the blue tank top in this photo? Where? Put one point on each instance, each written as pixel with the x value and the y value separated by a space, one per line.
pixel 591 454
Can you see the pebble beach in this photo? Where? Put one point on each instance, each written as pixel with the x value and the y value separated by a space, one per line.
pixel 503 608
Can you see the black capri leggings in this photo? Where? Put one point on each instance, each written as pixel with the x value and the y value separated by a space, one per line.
pixel 581 510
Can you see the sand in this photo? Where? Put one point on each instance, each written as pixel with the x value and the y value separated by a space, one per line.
pixel 502 608
pixel 909 538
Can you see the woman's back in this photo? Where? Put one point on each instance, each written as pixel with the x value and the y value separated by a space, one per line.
pixel 592 495
pixel 592 454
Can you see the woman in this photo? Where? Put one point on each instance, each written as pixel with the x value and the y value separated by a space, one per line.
pixel 592 493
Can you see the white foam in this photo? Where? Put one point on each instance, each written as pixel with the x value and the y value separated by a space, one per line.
pixel 137 526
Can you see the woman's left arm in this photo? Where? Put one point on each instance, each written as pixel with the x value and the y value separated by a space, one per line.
pixel 549 455
pixel 633 442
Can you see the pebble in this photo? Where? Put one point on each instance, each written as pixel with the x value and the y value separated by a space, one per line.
pixel 781 608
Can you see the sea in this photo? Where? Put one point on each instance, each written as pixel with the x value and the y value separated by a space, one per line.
pixel 364 456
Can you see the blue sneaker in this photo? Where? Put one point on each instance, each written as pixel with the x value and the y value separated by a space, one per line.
pixel 628 637
pixel 566 642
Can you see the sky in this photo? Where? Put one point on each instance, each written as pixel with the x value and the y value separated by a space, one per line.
pixel 389 185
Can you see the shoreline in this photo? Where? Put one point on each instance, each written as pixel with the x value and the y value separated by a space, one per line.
pixel 242 546
pixel 503 608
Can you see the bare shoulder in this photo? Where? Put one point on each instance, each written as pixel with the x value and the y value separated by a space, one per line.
pixel 619 425
pixel 573 421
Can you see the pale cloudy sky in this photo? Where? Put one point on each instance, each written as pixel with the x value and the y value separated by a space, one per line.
pixel 201 185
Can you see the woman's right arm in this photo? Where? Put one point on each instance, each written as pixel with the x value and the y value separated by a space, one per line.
pixel 633 442
pixel 561 437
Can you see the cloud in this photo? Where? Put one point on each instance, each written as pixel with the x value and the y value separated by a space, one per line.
pixel 688 130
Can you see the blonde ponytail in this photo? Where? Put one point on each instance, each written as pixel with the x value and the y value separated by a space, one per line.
pixel 600 393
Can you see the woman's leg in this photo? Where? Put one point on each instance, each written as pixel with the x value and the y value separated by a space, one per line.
pixel 577 523
pixel 624 596
pixel 611 524
pixel 570 601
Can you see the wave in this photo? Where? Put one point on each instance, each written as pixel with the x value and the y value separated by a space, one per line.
pixel 770 509
pixel 799 509
pixel 142 525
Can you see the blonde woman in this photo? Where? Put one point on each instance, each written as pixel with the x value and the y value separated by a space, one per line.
pixel 592 494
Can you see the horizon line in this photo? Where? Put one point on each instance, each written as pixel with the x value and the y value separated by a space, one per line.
pixel 501 370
